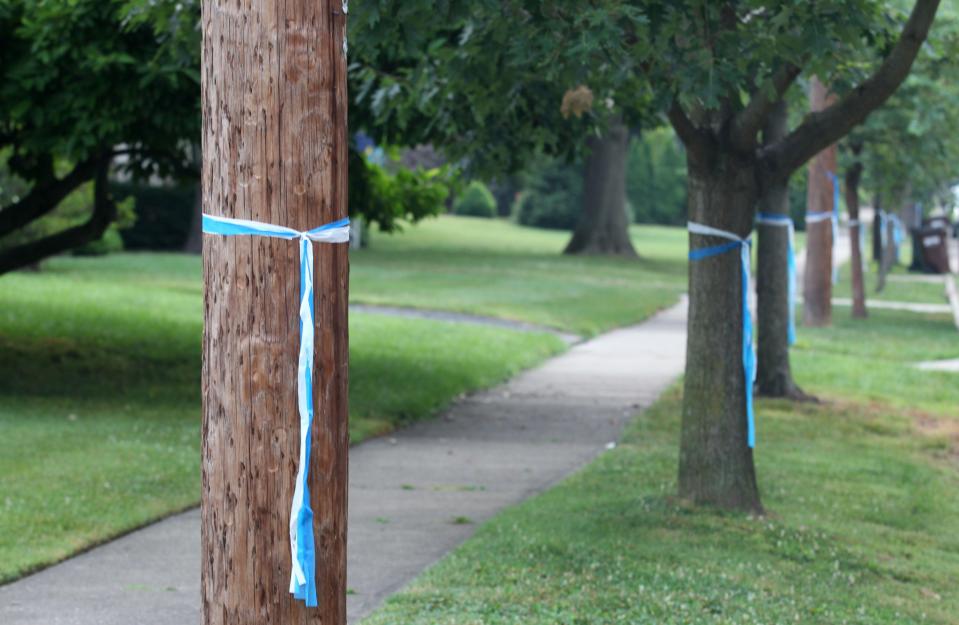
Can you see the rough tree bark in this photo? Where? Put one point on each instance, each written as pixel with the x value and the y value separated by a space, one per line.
pixel 716 464
pixel 275 150
pixel 853 175
pixel 817 277
pixel 604 227
pixel 774 375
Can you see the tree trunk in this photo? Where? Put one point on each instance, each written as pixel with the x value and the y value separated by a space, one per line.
pixel 877 229
pixel 817 277
pixel 274 150
pixel 774 374
pixel 889 254
pixel 853 176
pixel 604 226
pixel 716 462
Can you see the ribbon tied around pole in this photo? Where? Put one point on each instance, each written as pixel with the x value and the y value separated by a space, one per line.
pixel 302 541
pixel 748 352
pixel 784 221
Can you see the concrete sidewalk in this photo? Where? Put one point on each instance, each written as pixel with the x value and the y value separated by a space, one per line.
pixel 413 497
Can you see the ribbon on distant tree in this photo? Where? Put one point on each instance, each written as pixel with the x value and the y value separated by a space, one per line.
pixel 784 221
pixel 302 542
pixel 748 353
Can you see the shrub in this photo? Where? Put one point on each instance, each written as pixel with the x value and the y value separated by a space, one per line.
pixel 476 201
pixel 164 214
pixel 387 199
pixel 552 197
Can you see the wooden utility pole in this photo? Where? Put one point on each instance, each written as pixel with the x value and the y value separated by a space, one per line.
pixel 817 280
pixel 275 151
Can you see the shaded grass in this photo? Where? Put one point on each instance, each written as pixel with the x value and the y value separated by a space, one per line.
pixel 913 289
pixel 100 398
pixel 495 268
pixel 863 523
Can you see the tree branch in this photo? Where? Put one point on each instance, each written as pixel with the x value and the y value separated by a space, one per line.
pixel 104 214
pixel 748 122
pixel 691 136
pixel 824 128
pixel 44 197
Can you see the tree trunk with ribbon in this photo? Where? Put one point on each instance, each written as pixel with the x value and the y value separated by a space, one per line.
pixel 716 461
pixel 775 278
pixel 729 170
pixel 853 176
pixel 820 194
pixel 603 226
pixel 274 151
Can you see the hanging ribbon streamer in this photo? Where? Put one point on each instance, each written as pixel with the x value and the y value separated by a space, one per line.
pixel 784 221
pixel 836 193
pixel 302 542
pixel 748 353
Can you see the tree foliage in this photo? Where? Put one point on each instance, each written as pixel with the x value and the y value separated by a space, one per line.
pixel 909 146
pixel 486 80
pixel 82 83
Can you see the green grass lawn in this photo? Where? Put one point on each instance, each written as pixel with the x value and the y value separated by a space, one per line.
pixel 493 267
pixel 901 286
pixel 861 493
pixel 99 384
pixel 99 394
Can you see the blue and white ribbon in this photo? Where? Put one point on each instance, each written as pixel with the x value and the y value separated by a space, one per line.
pixel 748 352
pixel 784 221
pixel 302 542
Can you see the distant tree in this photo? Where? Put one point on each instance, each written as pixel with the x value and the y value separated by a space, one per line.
pixel 82 83
pixel 905 153
pixel 498 83
pixel 552 195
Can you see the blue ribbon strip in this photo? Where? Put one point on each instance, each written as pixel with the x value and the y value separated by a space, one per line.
pixel 749 354
pixel 784 221
pixel 302 542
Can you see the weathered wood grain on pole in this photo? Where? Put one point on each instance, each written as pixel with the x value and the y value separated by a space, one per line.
pixel 274 150
pixel 817 279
